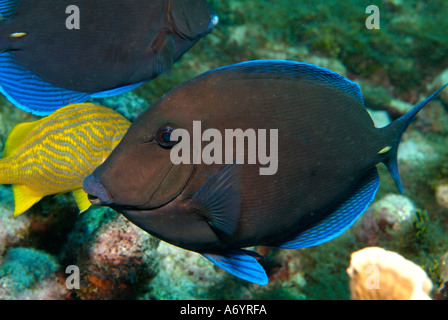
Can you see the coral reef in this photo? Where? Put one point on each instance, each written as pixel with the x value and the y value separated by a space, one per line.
pixel 185 275
pixel 12 231
pixel 30 274
pixel 377 274
pixel 114 256
pixel 188 275
pixel 391 216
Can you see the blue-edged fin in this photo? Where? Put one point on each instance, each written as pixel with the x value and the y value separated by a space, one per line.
pixel 218 201
pixel 7 8
pixel 29 92
pixel 240 264
pixel 394 131
pixel 341 219
pixel 295 71
pixel 32 94
pixel 116 91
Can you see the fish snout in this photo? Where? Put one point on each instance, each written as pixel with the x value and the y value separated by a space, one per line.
pixel 96 192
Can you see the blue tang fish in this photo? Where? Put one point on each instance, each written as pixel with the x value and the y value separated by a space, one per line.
pixel 326 177
pixel 60 52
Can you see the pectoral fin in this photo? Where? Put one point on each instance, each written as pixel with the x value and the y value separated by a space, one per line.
pixel 163 47
pixel 218 201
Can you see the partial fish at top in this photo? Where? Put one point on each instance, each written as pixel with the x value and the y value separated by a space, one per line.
pixel 119 45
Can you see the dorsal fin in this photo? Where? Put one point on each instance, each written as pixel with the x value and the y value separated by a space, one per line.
pixel 17 136
pixel 293 70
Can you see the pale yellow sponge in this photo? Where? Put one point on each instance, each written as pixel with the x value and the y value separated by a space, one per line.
pixel 378 274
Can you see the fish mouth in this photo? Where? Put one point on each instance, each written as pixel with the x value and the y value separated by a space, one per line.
pixel 96 192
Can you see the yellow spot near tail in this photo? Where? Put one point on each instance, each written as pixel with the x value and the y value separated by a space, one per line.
pixel 384 150
pixel 18 34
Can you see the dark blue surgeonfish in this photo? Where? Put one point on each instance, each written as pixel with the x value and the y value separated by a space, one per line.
pixel 60 52
pixel 328 149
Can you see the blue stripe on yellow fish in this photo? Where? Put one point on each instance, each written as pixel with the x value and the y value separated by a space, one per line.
pixel 53 155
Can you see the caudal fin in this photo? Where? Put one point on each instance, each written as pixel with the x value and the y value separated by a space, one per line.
pixel 395 131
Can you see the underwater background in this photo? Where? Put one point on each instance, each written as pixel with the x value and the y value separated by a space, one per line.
pixel 397 66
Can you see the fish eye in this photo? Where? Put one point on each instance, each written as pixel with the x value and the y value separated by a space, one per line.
pixel 163 136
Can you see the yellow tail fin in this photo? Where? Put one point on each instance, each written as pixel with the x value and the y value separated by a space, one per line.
pixel 81 200
pixel 24 198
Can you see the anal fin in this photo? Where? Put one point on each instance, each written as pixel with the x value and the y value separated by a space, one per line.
pixel 116 91
pixel 31 93
pixel 341 219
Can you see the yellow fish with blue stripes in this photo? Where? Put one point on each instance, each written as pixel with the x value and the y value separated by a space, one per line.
pixel 53 155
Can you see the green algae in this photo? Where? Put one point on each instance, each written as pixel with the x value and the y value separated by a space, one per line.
pixel 26 266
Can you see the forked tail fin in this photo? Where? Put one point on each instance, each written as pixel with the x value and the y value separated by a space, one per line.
pixel 396 129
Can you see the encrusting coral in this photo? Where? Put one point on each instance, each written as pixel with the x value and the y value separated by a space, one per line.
pixel 30 274
pixel 13 231
pixel 114 256
pixel 378 274
pixel 390 216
